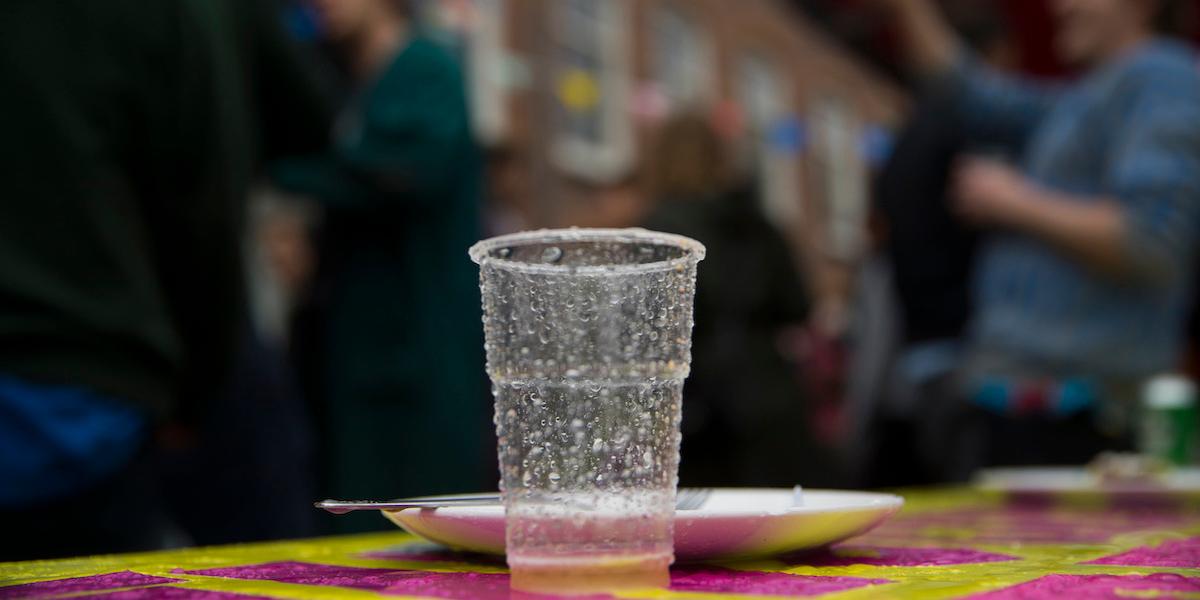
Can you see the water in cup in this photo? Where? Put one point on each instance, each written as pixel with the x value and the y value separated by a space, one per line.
pixel 588 342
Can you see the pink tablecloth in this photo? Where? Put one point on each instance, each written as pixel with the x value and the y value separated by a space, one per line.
pixel 947 543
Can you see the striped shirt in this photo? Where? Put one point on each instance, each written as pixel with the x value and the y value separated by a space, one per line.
pixel 1129 131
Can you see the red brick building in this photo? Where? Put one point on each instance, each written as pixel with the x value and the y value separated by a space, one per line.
pixel 576 86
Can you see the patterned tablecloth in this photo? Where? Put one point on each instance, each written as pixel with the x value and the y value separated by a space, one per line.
pixel 945 544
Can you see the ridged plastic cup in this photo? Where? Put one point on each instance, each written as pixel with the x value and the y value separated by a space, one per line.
pixel 588 339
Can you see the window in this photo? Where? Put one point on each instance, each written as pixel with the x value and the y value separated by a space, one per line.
pixel 595 137
pixel 773 130
pixel 840 176
pixel 682 59
pixel 486 61
pixel 476 29
pixel 759 92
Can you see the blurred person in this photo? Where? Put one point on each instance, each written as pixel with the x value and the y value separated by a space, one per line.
pixel 926 255
pixel 254 441
pixel 931 250
pixel 402 393
pixel 123 162
pixel 744 415
pixel 1082 282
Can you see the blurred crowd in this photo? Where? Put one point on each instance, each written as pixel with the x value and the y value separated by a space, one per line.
pixel 233 233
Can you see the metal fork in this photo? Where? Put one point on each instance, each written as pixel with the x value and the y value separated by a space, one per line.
pixel 685 499
pixel 691 498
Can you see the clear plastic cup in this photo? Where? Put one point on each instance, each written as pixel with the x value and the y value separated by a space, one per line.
pixel 588 338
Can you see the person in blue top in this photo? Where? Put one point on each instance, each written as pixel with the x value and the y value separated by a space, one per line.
pixel 402 394
pixel 1081 287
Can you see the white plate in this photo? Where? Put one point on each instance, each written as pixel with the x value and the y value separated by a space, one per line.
pixel 733 524
pixel 1052 480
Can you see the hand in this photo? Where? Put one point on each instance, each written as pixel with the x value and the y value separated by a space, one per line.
pixel 989 192
pixel 288 248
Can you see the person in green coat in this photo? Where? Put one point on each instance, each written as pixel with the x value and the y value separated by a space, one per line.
pixel 403 398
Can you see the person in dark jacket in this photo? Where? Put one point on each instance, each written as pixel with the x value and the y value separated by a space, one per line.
pixel 744 420
pixel 122 162
pixel 255 440
pixel 930 252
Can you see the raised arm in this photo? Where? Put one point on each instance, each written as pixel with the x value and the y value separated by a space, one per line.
pixel 931 46
pixel 996 109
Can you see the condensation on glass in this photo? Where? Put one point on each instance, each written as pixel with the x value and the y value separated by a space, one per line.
pixel 588 339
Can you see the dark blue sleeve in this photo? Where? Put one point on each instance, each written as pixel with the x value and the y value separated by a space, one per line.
pixel 1154 172
pixel 995 108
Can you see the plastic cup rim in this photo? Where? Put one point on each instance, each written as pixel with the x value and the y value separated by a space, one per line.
pixel 693 250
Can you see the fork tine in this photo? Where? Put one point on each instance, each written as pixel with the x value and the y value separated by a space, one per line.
pixel 692 498
pixel 682 498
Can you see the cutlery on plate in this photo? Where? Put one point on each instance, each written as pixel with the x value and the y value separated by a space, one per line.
pixel 685 499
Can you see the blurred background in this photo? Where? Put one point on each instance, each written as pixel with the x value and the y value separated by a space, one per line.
pixel 287 242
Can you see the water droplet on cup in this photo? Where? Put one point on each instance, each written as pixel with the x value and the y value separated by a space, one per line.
pixel 504 252
pixel 552 254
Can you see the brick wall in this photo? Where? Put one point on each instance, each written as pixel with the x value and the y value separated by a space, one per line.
pixel 811 64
